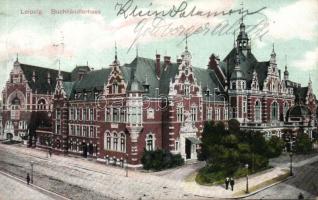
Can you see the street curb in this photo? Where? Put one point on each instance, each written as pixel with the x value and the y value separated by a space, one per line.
pixel 264 188
pixel 249 194
pixel 40 189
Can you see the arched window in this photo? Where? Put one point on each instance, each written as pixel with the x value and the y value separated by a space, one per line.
pixel 274 111
pixel 286 107
pixel 233 86
pixel 150 143
pixel 108 141
pixel 41 104
pixel 122 142
pixel 16 103
pixel 115 142
pixel 115 88
pixel 258 111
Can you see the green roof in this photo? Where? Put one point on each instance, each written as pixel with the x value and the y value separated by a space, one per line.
pixel 41 84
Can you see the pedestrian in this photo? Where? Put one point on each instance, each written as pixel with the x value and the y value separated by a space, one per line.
pixel 28 178
pixel 227 181
pixel 50 152
pixel 301 196
pixel 232 183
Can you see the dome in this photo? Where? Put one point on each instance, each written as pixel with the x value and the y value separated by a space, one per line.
pixel 286 73
pixel 237 75
pixel 186 55
pixel 299 111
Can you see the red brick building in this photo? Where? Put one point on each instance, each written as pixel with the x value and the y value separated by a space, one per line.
pixel 113 114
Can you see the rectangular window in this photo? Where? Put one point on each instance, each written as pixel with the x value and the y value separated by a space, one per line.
pixel 58 114
pixel 84 114
pixel 209 114
pixel 186 90
pixel 244 104
pixel 217 113
pixel 180 114
pixel 91 132
pixel 91 114
pixel 107 115
pixel 78 130
pixel 78 114
pixel 116 112
pixel 123 115
pixel 194 114
pixel 135 115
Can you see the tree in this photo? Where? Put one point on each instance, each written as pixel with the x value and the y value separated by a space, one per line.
pixel 275 146
pixel 303 144
pixel 234 126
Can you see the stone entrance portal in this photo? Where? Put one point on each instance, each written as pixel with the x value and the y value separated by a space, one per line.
pixel 188 139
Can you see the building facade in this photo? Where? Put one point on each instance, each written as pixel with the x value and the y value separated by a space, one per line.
pixel 113 114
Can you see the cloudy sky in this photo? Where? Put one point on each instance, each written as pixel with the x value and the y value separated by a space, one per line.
pixel 35 30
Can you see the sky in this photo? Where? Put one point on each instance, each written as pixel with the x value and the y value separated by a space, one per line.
pixel 42 32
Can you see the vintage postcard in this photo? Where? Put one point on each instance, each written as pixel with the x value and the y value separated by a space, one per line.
pixel 158 99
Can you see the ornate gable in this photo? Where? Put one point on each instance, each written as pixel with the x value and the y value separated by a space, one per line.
pixel 116 83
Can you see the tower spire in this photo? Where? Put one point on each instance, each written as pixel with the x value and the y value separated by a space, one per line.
pixel 186 47
pixel 17 57
pixel 242 9
pixel 137 49
pixel 286 73
pixel 234 39
pixel 115 51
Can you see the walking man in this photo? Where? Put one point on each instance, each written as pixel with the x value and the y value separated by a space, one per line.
pixel 232 183
pixel 227 181
pixel 28 178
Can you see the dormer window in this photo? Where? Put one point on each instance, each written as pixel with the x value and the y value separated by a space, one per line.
pixel 115 88
pixel 186 90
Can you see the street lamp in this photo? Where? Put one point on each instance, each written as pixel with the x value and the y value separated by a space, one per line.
pixel 246 166
pixel 291 163
pixel 214 97
pixel 126 164
pixel 32 163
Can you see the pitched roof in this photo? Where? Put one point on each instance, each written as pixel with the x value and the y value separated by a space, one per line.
pixel 248 64
pixel 300 94
pixel 95 79
pixel 41 84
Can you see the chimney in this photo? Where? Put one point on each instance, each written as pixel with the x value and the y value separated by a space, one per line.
pixel 49 78
pixel 213 62
pixel 33 76
pixel 158 65
pixel 179 61
pixel 167 60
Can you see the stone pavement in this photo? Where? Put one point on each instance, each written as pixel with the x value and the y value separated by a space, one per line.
pixel 146 185
pixel 16 190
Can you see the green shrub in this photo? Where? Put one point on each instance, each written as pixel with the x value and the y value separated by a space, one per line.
pixel 275 147
pixel 303 144
pixel 160 159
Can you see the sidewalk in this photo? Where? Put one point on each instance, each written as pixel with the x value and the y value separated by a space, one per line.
pixel 256 182
pixel 17 189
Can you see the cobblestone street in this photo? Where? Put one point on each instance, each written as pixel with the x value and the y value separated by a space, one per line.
pixel 78 178
pixel 16 190
pixel 305 181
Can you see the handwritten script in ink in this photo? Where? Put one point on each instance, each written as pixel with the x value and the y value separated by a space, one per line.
pixel 157 23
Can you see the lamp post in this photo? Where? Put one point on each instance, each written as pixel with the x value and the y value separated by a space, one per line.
pixel 225 117
pixel 214 97
pixel 126 164
pixel 246 166
pixel 32 163
pixel 291 163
